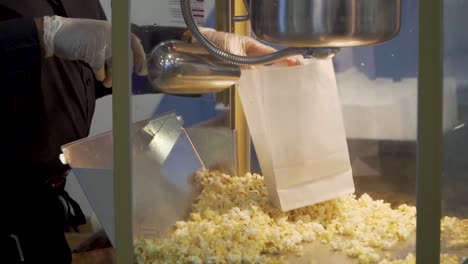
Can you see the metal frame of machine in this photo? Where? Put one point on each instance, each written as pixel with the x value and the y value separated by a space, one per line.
pixel 227 11
pixel 429 151
pixel 429 125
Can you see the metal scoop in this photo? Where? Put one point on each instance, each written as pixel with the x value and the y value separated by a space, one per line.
pixel 164 161
pixel 176 67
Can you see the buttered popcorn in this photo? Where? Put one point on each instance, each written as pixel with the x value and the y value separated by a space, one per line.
pixel 233 222
pixel 455 232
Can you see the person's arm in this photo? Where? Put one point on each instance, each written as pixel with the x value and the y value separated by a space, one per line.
pixel 20 45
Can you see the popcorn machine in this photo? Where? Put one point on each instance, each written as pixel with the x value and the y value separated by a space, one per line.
pixel 405 135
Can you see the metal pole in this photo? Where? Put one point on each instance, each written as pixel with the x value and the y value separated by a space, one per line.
pixel 430 85
pixel 225 12
pixel 121 118
pixel 223 16
pixel 238 120
pixel 224 23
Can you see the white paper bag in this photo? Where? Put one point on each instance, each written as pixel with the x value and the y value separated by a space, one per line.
pixel 295 120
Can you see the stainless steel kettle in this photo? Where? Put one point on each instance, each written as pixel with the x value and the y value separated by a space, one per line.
pixel 325 23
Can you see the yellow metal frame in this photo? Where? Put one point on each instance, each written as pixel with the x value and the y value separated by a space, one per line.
pixel 225 12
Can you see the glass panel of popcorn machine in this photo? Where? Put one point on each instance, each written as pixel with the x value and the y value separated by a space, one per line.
pixel 378 92
pixel 454 224
pixel 233 220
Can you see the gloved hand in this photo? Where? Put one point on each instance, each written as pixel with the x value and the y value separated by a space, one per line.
pixel 244 46
pixel 89 41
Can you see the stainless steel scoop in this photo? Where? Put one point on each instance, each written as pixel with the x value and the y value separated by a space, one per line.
pixel 163 163
pixel 176 67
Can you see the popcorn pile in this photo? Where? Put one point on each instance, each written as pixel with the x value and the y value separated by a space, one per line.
pixel 455 231
pixel 233 222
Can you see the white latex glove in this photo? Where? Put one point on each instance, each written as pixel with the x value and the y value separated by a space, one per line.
pixel 89 41
pixel 244 46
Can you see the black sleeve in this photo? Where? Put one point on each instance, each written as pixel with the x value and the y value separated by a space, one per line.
pixel 101 90
pixel 20 49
